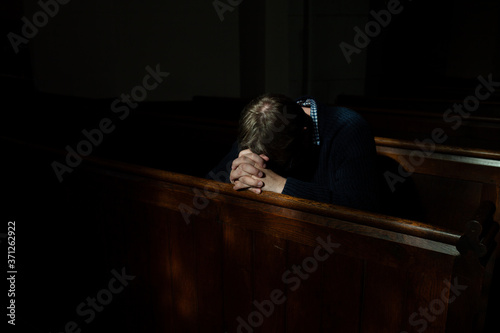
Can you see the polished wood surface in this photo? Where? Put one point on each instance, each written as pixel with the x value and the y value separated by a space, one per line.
pixel 222 265
pixel 450 182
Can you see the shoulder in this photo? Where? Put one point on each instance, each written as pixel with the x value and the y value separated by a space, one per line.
pixel 339 117
pixel 332 118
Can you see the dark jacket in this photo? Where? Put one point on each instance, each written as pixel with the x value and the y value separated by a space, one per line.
pixel 342 170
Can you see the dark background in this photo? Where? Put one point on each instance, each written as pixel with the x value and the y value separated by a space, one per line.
pixel 66 77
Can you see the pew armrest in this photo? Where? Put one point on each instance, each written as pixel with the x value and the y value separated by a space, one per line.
pixel 480 233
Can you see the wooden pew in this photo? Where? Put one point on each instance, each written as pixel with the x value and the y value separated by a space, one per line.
pixel 205 257
pixel 448 182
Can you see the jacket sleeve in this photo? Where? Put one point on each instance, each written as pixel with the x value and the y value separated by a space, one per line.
pixel 222 170
pixel 350 167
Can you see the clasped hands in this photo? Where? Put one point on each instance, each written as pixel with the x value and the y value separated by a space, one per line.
pixel 248 172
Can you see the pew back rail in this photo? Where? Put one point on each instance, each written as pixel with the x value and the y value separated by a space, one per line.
pixel 225 260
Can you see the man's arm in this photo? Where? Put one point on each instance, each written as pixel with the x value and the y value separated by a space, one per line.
pixel 350 177
pixel 222 170
pixel 349 169
pixel 265 180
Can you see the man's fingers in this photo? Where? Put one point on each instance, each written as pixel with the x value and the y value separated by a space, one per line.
pixel 250 181
pixel 241 186
pixel 246 181
pixel 248 164
pixel 246 156
pixel 255 190
pixel 245 170
pixel 245 152
pixel 264 157
pixel 250 170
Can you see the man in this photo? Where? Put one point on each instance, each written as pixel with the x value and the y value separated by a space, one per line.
pixel 304 149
